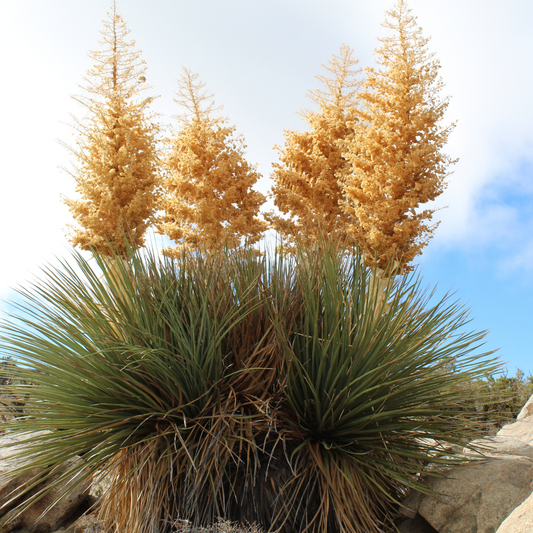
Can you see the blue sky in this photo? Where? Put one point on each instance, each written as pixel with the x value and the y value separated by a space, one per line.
pixel 259 58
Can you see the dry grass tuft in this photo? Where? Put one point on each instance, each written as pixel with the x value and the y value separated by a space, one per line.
pixel 222 526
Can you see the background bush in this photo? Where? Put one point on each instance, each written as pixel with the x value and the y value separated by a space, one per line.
pixel 499 398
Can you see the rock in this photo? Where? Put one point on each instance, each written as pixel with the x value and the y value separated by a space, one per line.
pixel 475 498
pixel 10 407
pixel 478 497
pixel 501 445
pixel 85 524
pixel 56 515
pixel 520 430
pixel 8 488
pixel 416 525
pixel 520 520
pixel 527 410
pixel 29 521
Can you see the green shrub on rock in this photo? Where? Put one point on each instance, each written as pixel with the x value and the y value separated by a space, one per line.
pixel 499 399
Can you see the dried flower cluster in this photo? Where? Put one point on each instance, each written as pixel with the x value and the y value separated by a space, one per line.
pixel 307 187
pixel 372 156
pixel 395 157
pixel 208 198
pixel 117 172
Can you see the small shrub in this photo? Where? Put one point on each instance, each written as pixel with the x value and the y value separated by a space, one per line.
pixel 221 526
pixel 498 400
pixel 11 407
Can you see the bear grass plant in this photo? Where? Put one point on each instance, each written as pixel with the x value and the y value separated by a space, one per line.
pixel 297 393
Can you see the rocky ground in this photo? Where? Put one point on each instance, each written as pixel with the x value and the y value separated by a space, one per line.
pixel 494 495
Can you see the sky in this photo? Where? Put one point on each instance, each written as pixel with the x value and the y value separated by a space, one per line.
pixel 259 58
